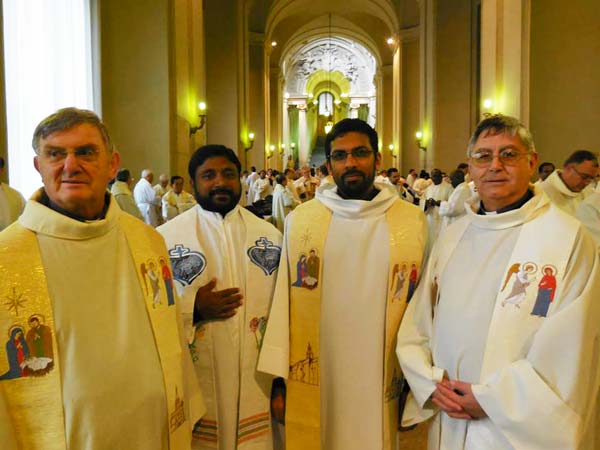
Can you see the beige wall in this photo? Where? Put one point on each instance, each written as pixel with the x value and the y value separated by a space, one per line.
pixel 135 81
pixel 256 105
pixel 188 82
pixel 223 54
pixel 453 83
pixel 565 77
pixel 386 135
pixel 410 106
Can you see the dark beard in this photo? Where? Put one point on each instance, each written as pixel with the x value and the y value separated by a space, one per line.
pixel 207 203
pixel 357 190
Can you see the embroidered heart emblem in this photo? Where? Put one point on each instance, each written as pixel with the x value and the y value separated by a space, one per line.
pixel 187 264
pixel 265 255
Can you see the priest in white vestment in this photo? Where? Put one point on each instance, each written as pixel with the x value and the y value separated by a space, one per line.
pixel 454 208
pixel 566 188
pixel 176 200
pixel 499 344
pixel 11 202
pixel 431 200
pixel 589 214
pixel 93 363
pixel 250 183
pixel 262 186
pixel 121 191
pixel 146 199
pixel 340 252
pixel 225 264
pixel 306 184
pixel 283 202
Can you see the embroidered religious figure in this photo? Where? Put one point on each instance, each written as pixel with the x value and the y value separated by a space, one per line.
pixel 399 278
pixel 546 291
pixel 168 280
pixel 412 281
pixel 17 352
pixel 153 277
pixel 518 292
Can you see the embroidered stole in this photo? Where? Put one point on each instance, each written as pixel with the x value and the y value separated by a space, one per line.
pixel 521 303
pixel 32 386
pixel 306 238
pixel 262 250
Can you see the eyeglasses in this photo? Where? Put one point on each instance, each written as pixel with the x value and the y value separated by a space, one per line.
pixel 86 153
pixel 587 179
pixel 357 153
pixel 508 157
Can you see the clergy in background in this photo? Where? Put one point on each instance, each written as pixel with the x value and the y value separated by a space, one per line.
pixel 176 200
pixel 146 199
pixel 94 359
pixel 499 343
pixel 568 187
pixel 283 201
pixel 225 264
pixel 338 305
pixel 11 201
pixel 433 197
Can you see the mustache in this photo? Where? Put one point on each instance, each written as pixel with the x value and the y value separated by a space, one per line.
pixel 218 191
pixel 350 172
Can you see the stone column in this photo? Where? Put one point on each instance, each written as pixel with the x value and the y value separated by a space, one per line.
pixel 303 141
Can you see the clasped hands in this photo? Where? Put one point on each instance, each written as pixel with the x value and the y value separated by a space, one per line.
pixel 456 399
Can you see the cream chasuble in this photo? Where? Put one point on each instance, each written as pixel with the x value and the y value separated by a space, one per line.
pixel 518 320
pixel 589 214
pixel 560 194
pixel 239 250
pixel 334 338
pixel 11 205
pixel 93 360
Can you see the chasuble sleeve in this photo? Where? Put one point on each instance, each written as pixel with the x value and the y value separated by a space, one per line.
pixel 545 400
pixel 275 352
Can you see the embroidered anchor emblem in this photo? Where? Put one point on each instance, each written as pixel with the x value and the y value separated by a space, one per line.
pixel 265 255
pixel 187 264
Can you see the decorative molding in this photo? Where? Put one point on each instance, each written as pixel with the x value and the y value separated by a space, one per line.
pixel 256 38
pixel 409 34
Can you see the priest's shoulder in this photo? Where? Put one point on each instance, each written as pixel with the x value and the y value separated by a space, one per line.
pixel 9 235
pixel 249 217
pixel 405 208
pixel 138 225
pixel 179 220
pixel 559 215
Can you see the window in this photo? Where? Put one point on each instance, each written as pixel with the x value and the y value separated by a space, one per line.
pixel 48 65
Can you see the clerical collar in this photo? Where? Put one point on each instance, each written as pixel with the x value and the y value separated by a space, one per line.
pixel 45 200
pixel 516 205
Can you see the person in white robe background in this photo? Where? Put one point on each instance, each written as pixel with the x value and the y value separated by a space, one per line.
pixel 176 200
pixel 121 191
pixel 162 186
pixel 11 201
pixel 454 208
pixel 352 269
pixel 544 171
pixel 589 214
pixel 411 177
pixel 289 174
pixel 250 182
pixel 146 199
pixel 567 188
pixel 306 184
pixel 262 186
pixel 499 344
pixel 433 196
pixel 225 264
pixel 105 382
pixel 283 202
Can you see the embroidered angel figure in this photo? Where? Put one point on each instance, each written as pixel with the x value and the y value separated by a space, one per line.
pixel 520 285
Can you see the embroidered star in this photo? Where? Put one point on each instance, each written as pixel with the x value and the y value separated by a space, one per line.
pixel 306 238
pixel 15 301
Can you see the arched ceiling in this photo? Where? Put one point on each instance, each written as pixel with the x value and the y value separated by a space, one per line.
pixel 369 22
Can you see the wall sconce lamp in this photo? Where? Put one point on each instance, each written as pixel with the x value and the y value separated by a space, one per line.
pixel 281 149
pixel 487 107
pixel 250 141
pixel 202 116
pixel 293 145
pixel 391 148
pixel 419 136
pixel 270 151
pixel 328 126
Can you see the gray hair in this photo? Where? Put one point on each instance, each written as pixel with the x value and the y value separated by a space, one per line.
pixel 146 172
pixel 501 124
pixel 65 119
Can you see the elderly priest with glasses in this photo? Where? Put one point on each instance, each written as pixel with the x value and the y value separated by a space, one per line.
pixel 500 342
pixel 92 356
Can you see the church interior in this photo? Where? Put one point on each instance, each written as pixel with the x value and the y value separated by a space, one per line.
pixel 267 77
